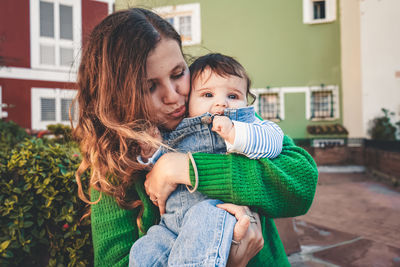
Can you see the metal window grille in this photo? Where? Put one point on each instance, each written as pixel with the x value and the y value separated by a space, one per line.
pixel 322 104
pixel 185 27
pixel 319 9
pixel 269 106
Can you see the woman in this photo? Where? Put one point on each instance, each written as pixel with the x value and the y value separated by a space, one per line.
pixel 133 77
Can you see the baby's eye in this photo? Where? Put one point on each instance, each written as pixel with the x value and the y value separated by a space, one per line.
pixel 232 97
pixel 208 95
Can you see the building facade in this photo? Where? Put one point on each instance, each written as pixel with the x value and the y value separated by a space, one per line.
pixel 370 41
pixel 40 46
pixel 291 50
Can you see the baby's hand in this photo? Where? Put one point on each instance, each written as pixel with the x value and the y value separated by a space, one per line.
pixel 223 126
pixel 146 149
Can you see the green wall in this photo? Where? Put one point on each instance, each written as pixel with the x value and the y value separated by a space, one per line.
pixel 269 38
pixel 294 111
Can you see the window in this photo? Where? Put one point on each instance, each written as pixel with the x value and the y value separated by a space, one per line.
pixel 323 103
pixel 319 11
pixel 50 106
pixel 55 32
pixel 185 19
pixel 269 106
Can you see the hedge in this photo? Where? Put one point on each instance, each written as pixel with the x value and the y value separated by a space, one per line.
pixel 40 210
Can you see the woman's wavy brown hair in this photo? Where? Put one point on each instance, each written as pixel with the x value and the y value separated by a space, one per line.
pixel 113 111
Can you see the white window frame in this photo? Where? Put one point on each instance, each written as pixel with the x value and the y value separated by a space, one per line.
pixel 308 12
pixel 3 114
pixel 57 94
pixel 260 91
pixel 279 102
pixel 281 91
pixel 36 39
pixel 192 10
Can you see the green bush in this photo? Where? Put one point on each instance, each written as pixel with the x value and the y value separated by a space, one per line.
pixel 40 212
pixel 10 135
pixel 382 127
pixel 61 132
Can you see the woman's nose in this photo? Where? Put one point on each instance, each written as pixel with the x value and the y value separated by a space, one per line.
pixel 171 94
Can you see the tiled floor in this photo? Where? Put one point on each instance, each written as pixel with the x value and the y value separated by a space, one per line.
pixel 354 221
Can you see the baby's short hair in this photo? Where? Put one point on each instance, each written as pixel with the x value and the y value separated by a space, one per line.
pixel 223 66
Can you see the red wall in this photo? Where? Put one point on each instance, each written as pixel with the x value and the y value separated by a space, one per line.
pixel 14 33
pixel 18 93
pixel 92 13
pixel 15 52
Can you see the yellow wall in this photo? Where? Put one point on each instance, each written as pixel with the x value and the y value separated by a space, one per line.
pixel 351 67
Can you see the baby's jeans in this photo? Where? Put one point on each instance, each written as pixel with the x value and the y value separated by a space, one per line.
pixel 193 231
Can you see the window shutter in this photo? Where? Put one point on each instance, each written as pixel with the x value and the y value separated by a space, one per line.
pixel 48 109
pixel 65 104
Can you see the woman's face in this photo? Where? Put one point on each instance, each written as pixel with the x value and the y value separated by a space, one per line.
pixel 168 83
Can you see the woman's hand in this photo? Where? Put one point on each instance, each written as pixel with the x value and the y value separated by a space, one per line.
pixel 247 235
pixel 169 171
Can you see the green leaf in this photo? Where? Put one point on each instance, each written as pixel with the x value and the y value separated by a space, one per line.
pixel 69 218
pixel 40 221
pixel 26 249
pixel 4 245
pixel 52 262
pixel 8 254
pixel 42 233
pixel 27 187
pixel 26 208
pixel 17 190
pixel 48 202
pixel 28 224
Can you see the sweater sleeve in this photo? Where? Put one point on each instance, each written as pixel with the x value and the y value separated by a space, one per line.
pixel 280 187
pixel 260 139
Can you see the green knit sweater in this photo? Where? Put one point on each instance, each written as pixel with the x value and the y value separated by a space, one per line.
pixel 281 187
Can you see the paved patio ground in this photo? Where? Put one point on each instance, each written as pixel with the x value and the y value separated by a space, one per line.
pixel 354 221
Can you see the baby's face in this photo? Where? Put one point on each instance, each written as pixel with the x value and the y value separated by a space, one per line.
pixel 213 93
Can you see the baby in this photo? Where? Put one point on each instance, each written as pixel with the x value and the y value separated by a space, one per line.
pixel 193 230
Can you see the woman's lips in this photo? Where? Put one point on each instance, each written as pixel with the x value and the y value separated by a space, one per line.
pixel 179 112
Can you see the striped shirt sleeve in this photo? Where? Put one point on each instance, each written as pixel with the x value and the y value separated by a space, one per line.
pixel 260 139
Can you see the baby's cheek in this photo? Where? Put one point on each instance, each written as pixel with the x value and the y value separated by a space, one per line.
pixel 197 107
pixel 238 104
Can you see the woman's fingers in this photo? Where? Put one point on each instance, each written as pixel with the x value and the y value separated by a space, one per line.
pixel 169 171
pixel 241 214
pixel 161 206
pixel 247 235
pixel 157 192
pixel 241 227
pixel 235 210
